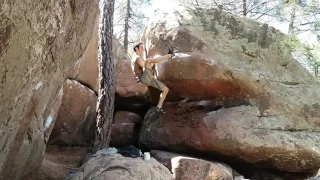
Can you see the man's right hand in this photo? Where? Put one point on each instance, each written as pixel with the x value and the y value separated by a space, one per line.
pixel 137 79
pixel 170 51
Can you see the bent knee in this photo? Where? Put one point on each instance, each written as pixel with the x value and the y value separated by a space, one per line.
pixel 165 89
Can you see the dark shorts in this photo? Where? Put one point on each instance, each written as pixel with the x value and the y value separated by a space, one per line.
pixel 148 80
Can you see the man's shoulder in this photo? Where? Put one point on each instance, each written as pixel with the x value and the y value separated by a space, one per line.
pixel 135 58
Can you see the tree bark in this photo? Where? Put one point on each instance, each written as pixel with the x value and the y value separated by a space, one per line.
pixel 126 27
pixel 292 17
pixel 244 6
pixel 105 104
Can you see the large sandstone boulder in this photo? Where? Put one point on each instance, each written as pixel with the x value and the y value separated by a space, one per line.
pixel 76 117
pixel 39 43
pixel 126 117
pixel 124 134
pixel 115 166
pixel 276 125
pixel 191 168
pixel 125 129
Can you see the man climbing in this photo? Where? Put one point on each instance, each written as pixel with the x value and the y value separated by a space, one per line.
pixel 144 71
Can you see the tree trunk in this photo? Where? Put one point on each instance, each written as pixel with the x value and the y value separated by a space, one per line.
pixel 105 104
pixel 126 27
pixel 292 17
pixel 244 5
pixel 316 71
pixel 197 3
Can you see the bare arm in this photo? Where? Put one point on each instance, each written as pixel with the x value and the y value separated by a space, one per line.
pixel 158 59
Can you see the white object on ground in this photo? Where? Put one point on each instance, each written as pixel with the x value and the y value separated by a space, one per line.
pixel 146 155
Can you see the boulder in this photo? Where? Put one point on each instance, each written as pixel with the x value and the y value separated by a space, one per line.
pixel 86 68
pixel 190 168
pixel 124 134
pixel 277 123
pixel 207 128
pixel 39 43
pixel 126 117
pixel 76 117
pixel 115 166
pixel 125 128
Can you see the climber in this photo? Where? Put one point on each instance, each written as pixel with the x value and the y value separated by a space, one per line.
pixel 144 71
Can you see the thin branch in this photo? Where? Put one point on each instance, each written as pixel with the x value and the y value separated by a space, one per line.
pixel 265 13
pixel 307 23
pixel 197 2
pixel 257 6
pixel 119 20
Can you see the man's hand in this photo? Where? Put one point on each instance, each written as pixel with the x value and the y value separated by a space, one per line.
pixel 137 79
pixel 170 51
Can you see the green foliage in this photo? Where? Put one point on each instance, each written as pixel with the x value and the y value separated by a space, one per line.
pixel 308 53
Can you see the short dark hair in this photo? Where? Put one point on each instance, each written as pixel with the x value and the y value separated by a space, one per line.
pixel 137 46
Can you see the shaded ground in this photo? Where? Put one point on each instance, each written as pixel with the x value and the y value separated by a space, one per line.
pixel 58 162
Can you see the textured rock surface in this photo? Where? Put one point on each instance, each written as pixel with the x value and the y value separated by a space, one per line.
pixel 50 121
pixel 126 117
pixel 115 166
pixel 86 69
pixel 125 128
pixel 39 43
pixel 124 134
pixel 76 117
pixel 190 168
pixel 277 125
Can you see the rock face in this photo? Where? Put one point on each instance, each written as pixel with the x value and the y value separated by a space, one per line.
pixel 76 117
pixel 125 129
pixel 115 166
pixel 124 134
pixel 86 69
pixel 126 117
pixel 39 43
pixel 189 168
pixel 270 112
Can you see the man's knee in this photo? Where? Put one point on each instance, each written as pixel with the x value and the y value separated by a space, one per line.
pixel 165 89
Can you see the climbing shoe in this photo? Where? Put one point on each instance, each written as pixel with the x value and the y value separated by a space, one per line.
pixel 160 110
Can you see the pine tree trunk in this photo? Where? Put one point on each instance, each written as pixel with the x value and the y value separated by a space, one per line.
pixel 105 104
pixel 126 27
pixel 292 17
pixel 244 5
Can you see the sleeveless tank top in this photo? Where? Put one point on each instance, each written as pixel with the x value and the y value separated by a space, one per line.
pixel 137 70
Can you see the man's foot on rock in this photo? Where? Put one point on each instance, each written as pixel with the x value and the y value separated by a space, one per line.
pixel 160 110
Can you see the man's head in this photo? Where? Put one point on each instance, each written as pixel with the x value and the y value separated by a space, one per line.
pixel 138 48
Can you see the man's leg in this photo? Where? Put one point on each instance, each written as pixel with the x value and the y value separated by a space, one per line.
pixel 163 96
